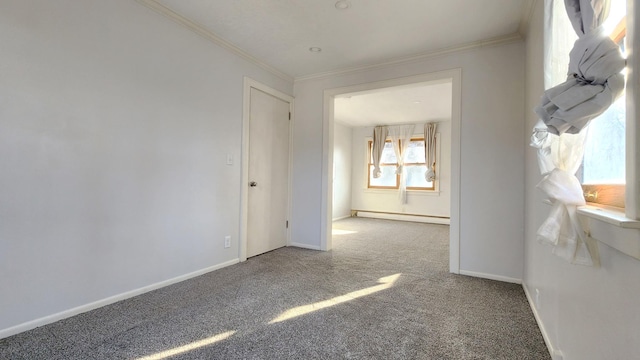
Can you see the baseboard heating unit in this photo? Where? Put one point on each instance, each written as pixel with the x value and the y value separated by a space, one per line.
pixel 401 216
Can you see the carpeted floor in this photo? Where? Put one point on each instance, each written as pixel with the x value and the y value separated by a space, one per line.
pixel 384 292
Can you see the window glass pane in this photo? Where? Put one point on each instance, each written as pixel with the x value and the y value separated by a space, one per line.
pixel 561 40
pixel 415 152
pixel 388 155
pixel 604 156
pixel 617 11
pixel 415 176
pixel 388 177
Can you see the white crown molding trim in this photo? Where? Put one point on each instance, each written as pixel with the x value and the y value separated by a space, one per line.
pixel 502 40
pixel 523 28
pixel 204 32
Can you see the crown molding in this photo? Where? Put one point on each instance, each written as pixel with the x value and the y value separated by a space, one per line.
pixel 502 40
pixel 525 20
pixel 207 34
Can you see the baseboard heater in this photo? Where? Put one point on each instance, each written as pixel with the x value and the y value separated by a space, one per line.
pixel 401 216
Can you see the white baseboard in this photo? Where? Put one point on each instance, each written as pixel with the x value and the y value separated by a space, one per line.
pixel 341 217
pixel 491 276
pixel 555 354
pixel 305 246
pixel 110 300
pixel 404 217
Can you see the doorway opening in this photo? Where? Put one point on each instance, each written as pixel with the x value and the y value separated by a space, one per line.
pixel 353 111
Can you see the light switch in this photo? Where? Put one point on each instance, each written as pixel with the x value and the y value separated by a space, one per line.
pixel 229 159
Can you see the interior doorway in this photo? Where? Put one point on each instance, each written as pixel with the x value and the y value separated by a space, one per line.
pixel 452 77
pixel 266 170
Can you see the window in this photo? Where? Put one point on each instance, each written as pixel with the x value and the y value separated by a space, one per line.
pixel 602 172
pixel 414 165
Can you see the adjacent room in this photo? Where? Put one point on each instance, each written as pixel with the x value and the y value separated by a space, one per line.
pixel 405 111
pixel 326 179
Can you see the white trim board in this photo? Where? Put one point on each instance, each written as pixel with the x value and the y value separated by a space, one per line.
pixel 555 354
pixel 490 276
pixel 304 246
pixel 341 217
pixel 455 75
pixel 107 301
pixel 404 217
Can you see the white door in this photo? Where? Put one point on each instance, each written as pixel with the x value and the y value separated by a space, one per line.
pixel 268 173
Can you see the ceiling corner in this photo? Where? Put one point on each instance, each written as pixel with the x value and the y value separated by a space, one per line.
pixel 209 35
pixel 527 12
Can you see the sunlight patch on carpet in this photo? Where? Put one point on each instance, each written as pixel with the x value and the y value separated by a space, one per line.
pixel 342 232
pixel 191 346
pixel 385 283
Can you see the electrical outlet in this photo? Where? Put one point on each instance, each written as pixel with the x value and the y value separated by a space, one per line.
pixel 229 159
pixel 227 241
pixel 537 300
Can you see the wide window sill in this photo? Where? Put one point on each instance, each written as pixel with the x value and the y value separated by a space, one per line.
pixel 409 192
pixel 613 216
pixel 610 226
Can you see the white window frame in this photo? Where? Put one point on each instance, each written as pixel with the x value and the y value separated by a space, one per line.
pixel 416 138
pixel 428 192
pixel 611 226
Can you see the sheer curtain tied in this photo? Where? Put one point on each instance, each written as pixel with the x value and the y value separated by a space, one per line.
pixel 401 137
pixel 594 82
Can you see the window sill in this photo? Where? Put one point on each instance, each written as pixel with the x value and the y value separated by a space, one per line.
pixel 609 215
pixel 611 227
pixel 409 192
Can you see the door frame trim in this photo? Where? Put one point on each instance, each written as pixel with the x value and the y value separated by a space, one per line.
pixel 244 192
pixel 327 154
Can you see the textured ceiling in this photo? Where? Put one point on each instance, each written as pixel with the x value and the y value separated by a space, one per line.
pixel 280 32
pixel 416 103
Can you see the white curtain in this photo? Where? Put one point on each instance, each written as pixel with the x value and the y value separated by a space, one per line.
pixel 430 150
pixel 594 82
pixel 379 138
pixel 401 137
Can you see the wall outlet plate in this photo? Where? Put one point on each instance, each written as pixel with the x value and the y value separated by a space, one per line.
pixel 227 241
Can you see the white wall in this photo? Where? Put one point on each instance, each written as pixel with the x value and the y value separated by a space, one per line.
pixel 432 203
pixel 342 171
pixel 587 313
pixel 115 124
pixel 492 182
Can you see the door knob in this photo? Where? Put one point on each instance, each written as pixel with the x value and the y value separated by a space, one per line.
pixel 253 184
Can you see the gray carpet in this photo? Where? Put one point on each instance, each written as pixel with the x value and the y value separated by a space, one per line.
pixel 423 313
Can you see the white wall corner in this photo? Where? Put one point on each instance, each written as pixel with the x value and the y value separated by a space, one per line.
pixel 527 13
pixel 555 353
